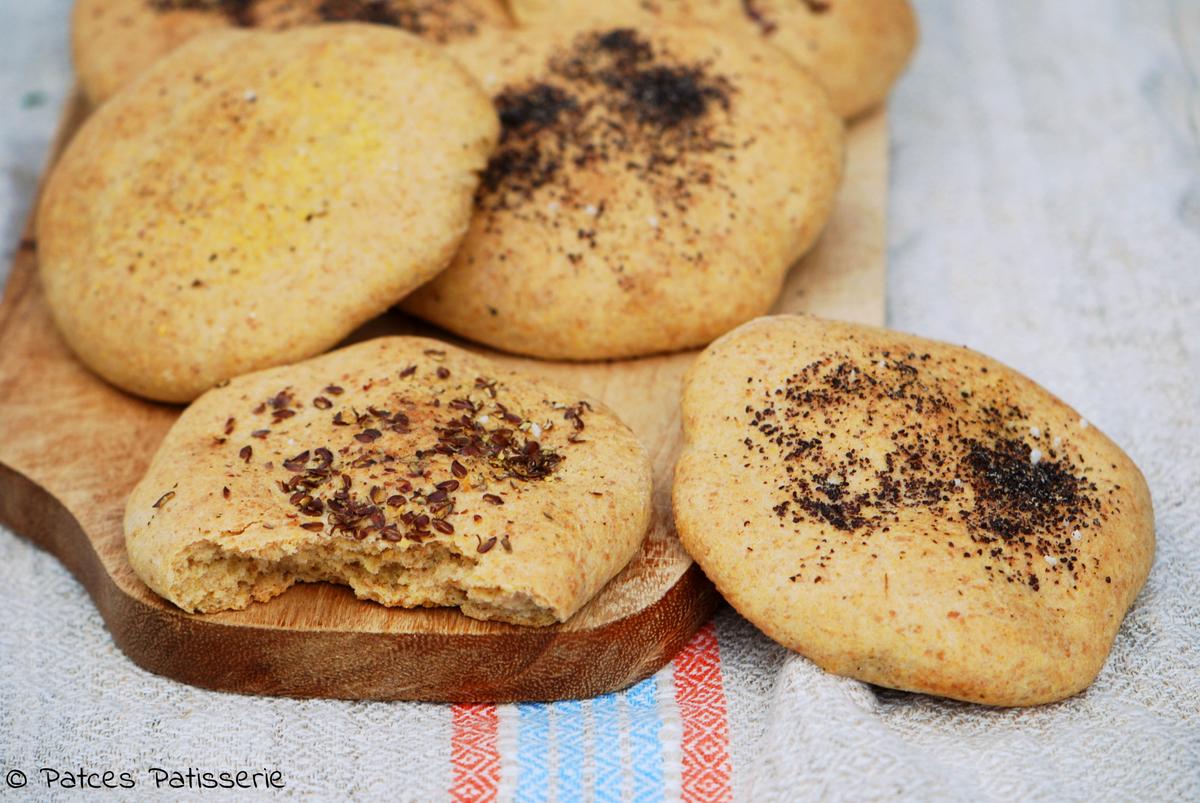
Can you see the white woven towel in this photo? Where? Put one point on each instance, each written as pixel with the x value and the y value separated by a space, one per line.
pixel 1045 209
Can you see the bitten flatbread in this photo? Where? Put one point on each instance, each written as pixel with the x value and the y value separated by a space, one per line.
pixel 411 471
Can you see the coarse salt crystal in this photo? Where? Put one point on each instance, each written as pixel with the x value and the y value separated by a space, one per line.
pixel 1057 441
pixel 835 479
pixel 535 430
pixel 1076 535
pixel 250 96
pixel 1051 560
pixel 552 207
pixel 1035 432
pixel 653 221
pixel 957 482
pixel 1083 423
pixel 591 210
pixel 1035 456
pixel 483 419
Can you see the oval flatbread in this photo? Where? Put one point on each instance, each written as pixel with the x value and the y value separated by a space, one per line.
pixel 115 41
pixel 255 198
pixel 909 513
pixel 649 193
pixel 856 48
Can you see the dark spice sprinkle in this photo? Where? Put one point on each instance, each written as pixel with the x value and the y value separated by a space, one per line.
pixel 313 526
pixel 961 457
pixel 443 526
pixel 486 546
pixel 409 371
pixel 162 500
pixel 238 12
pixel 322 403
pixel 229 425
pixel 533 109
pixel 611 97
pixel 260 433
pixel 334 390
pixel 245 453
pixel 443 372
pixel 493 499
pixel 458 469
pixel 376 12
pixel 225 492
pixel 504 542
pixel 766 25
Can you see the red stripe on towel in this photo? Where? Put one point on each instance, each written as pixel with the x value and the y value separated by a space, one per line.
pixel 700 694
pixel 474 753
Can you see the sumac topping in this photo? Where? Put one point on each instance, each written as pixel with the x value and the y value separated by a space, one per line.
pixel 377 12
pixel 609 98
pixel 971 456
pixel 236 11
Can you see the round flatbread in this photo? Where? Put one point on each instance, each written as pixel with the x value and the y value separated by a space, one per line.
pixel 649 193
pixel 114 41
pixel 411 471
pixel 255 198
pixel 857 48
pixel 909 513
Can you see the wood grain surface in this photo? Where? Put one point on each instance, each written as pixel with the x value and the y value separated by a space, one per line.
pixel 71 448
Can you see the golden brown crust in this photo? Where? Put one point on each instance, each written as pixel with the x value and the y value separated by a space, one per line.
pixel 410 470
pixel 114 41
pixel 909 513
pixel 650 190
pixel 856 48
pixel 254 198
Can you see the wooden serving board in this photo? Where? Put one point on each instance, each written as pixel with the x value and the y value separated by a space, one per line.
pixel 72 447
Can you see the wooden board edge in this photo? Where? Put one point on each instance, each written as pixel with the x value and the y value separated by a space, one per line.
pixel 278 661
